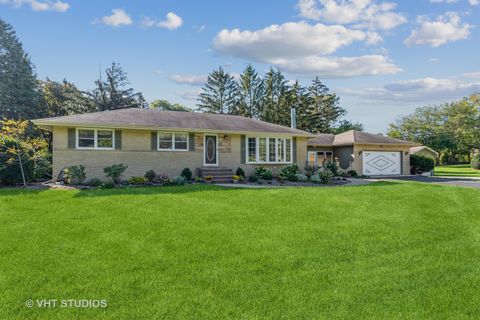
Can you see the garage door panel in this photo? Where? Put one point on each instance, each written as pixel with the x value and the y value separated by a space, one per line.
pixel 381 163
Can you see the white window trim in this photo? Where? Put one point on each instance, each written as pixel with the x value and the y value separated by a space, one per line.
pixel 205 150
pixel 95 139
pixel 173 141
pixel 257 150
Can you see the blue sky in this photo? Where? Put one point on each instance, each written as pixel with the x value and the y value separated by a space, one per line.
pixel 383 58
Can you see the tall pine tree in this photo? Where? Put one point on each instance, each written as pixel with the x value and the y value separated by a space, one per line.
pixel 114 93
pixel 275 104
pixel 219 94
pixel 250 93
pixel 323 108
pixel 19 95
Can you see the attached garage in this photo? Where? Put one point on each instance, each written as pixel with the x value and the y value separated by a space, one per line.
pixel 382 163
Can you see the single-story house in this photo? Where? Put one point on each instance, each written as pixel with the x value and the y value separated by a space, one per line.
pixel 424 151
pixel 366 153
pixel 169 141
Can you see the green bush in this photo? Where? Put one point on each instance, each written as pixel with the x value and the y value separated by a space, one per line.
pixel 187 174
pixel 420 164
pixel 94 182
pixel 107 185
pixel 288 172
pixel 253 178
pixel 263 173
pixel 475 163
pixel 115 172
pixel 74 175
pixel 137 180
pixel 178 181
pixel 10 172
pixel 332 167
pixel 315 179
pixel 300 177
pixel 326 176
pixel 240 172
pixel 352 173
pixel 43 168
pixel 150 175
pixel 310 171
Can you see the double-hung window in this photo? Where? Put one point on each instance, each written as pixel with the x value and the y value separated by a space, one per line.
pixel 268 150
pixel 172 141
pixel 95 139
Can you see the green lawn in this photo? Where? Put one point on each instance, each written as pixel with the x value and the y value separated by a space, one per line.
pixel 460 170
pixel 390 250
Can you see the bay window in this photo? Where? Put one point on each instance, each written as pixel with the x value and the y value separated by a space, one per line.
pixel 172 141
pixel 269 150
pixel 95 139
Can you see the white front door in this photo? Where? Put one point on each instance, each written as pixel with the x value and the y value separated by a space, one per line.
pixel 382 163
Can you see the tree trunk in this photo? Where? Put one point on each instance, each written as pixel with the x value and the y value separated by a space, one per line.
pixel 21 164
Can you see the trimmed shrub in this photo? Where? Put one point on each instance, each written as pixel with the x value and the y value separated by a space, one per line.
pixel 178 181
pixel 137 180
pixel 107 185
pixel 352 173
pixel 300 177
pixel 198 179
pixel 332 167
pixel 187 174
pixel 150 175
pixel 253 178
pixel 74 174
pixel 288 172
pixel 43 168
pixel 310 171
pixel 420 164
pixel 315 179
pixel 326 176
pixel 263 173
pixel 475 163
pixel 94 182
pixel 240 172
pixel 115 172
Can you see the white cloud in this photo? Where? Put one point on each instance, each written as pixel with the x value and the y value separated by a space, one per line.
pixel 188 79
pixel 172 22
pixel 444 1
pixel 190 94
pixel 339 67
pixel 446 28
pixel 118 18
pixel 433 60
pixel 36 5
pixel 292 39
pixel 474 2
pixel 426 90
pixel 363 13
pixel 301 48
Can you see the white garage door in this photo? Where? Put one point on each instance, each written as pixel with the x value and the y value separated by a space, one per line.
pixel 381 163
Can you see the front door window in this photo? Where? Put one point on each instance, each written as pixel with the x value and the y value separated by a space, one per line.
pixel 210 150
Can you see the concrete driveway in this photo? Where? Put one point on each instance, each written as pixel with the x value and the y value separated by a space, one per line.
pixel 451 181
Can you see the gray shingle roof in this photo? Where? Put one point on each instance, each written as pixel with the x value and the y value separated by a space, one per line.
pixel 154 119
pixel 354 137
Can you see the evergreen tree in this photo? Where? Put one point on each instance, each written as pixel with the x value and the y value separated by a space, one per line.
pixel 250 93
pixel 19 96
pixel 219 93
pixel 324 107
pixel 113 93
pixel 275 108
pixel 298 99
pixel 346 125
pixel 64 98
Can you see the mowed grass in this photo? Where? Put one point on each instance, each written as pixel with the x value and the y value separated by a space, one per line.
pixel 458 170
pixel 390 250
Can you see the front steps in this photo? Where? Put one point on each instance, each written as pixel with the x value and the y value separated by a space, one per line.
pixel 219 175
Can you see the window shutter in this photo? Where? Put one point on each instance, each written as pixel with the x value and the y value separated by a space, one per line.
pixel 118 139
pixel 154 141
pixel 294 149
pixel 243 150
pixel 71 138
pixel 191 141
